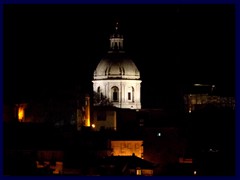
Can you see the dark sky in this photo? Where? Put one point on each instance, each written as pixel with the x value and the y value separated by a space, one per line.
pixel 54 49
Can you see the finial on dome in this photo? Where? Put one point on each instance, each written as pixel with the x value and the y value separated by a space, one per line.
pixel 116 39
pixel 116 26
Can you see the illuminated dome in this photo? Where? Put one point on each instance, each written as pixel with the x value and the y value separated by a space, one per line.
pixel 116 77
pixel 116 65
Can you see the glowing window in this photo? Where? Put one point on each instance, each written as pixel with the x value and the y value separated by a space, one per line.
pixel 20 113
pixel 138 172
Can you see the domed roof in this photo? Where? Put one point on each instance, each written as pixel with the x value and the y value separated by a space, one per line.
pixel 116 65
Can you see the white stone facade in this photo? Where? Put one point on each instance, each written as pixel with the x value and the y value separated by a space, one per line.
pixel 121 93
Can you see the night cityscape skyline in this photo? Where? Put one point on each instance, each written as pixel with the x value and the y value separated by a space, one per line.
pixel 77 103
pixel 57 47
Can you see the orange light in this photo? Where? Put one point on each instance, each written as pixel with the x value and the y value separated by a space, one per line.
pixel 93 125
pixel 20 113
pixel 87 111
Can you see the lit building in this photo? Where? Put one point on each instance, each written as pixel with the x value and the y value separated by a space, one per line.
pixel 127 148
pixel 117 78
pixel 104 118
pixel 203 94
pixel 112 118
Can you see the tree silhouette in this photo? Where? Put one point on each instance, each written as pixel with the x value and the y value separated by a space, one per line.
pixel 100 100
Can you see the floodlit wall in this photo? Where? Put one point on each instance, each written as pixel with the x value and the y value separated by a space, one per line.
pixel 127 148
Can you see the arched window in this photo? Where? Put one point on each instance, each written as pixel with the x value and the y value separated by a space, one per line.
pixel 115 93
pixel 130 95
pixel 100 94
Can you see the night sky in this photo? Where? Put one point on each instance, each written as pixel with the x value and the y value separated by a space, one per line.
pixel 54 49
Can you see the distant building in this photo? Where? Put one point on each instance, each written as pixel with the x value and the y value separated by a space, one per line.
pixel 202 94
pixel 104 118
pixel 117 78
pixel 127 148
pixel 112 118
